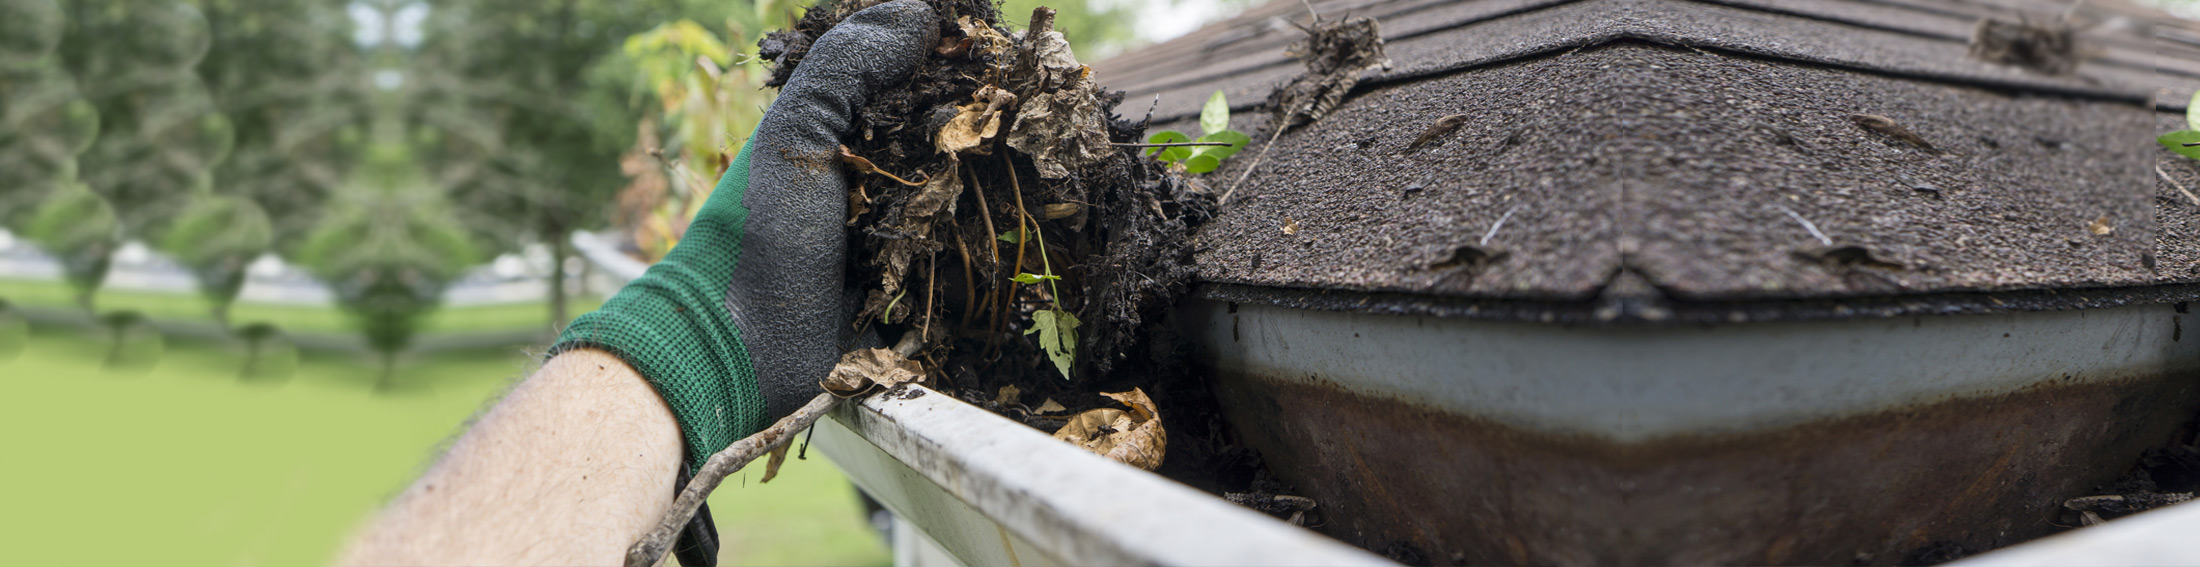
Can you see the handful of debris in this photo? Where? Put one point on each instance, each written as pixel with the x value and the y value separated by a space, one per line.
pixel 996 215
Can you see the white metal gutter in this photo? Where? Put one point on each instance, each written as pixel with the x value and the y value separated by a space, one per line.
pixel 990 491
pixel 2165 536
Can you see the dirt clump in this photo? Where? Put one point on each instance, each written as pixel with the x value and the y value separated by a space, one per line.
pixel 1035 257
pixel 2048 48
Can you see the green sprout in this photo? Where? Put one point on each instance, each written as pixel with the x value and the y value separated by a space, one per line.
pixel 1214 124
pixel 1057 327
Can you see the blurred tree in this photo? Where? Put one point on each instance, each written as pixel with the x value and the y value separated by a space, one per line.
pixel 293 88
pixel 44 126
pixel 521 125
pixel 389 247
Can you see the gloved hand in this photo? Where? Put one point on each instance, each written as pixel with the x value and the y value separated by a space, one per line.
pixel 739 321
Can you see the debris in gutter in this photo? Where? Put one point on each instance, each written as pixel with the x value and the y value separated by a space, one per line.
pixel 2048 48
pixel 861 370
pixel 1017 170
pixel 1132 437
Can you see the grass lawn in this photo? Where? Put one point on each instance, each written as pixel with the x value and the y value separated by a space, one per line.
pixel 184 464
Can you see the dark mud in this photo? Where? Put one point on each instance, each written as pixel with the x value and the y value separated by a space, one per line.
pixel 1116 230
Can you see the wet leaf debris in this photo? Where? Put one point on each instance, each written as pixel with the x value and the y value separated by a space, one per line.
pixel 1000 215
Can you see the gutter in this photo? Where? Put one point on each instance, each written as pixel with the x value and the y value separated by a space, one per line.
pixel 974 488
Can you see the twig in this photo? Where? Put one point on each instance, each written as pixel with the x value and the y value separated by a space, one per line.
pixel 2180 186
pixel 1283 123
pixel 1497 225
pixel 1170 144
pixel 1808 226
pixel 652 547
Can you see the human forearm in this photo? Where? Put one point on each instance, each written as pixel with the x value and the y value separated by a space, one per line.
pixel 573 466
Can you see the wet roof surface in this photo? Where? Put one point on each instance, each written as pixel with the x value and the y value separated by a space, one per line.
pixel 1679 148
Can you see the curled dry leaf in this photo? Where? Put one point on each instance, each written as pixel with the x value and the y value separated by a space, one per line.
pixel 975 124
pixel 1050 406
pixel 2100 226
pixel 1008 395
pixel 1132 437
pixel 859 370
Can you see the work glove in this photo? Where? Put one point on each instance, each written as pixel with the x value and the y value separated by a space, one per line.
pixel 739 322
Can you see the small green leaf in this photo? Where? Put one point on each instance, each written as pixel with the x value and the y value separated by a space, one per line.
pixel 1011 237
pixel 1201 163
pixel 1209 158
pixel 1057 331
pixel 1172 155
pixel 1215 117
pixel 2176 141
pixel 1031 278
pixel 2192 112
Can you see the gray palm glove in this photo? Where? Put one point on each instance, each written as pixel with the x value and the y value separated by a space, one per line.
pixel 739 322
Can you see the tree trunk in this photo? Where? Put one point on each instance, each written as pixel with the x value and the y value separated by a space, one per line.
pixel 558 253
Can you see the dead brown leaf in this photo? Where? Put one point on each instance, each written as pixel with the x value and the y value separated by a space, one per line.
pixel 1889 127
pixel 1059 211
pixel 1442 126
pixel 1290 226
pixel 858 371
pixel 1008 395
pixel 771 467
pixel 2100 226
pixel 938 194
pixel 1050 406
pixel 1133 437
pixel 862 165
pixel 975 124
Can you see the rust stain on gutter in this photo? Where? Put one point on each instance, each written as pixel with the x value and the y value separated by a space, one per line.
pixel 1868 489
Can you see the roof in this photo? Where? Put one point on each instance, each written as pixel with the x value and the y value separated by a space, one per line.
pixel 1696 151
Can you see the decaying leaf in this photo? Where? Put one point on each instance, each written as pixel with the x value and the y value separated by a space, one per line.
pixel 1335 53
pixel 771 467
pixel 858 371
pixel 862 165
pixel 1889 127
pixel 1050 406
pixel 1290 226
pixel 1009 394
pixel 1057 331
pixel 939 194
pixel 1058 124
pixel 2100 226
pixel 1059 211
pixel 1442 126
pixel 1133 437
pixel 975 124
pixel 2047 47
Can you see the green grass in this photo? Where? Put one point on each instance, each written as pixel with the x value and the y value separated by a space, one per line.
pixel 184 464
pixel 290 318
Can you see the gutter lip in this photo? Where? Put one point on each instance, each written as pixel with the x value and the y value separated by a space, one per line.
pixel 1653 310
pixel 1069 503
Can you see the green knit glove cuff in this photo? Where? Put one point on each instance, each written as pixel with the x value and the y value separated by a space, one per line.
pixel 673 327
